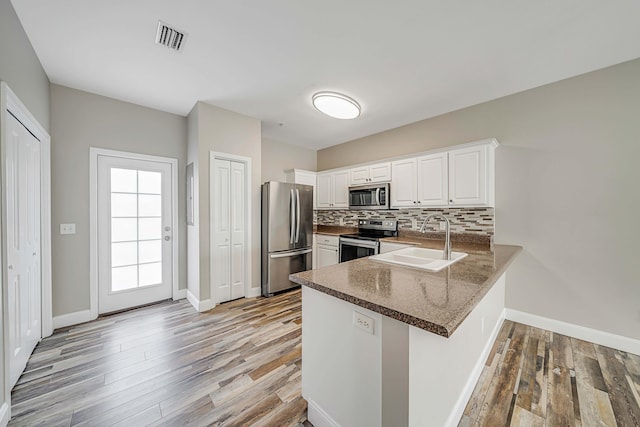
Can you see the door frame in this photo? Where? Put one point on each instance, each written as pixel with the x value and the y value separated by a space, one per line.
pixel 94 153
pixel 213 156
pixel 10 101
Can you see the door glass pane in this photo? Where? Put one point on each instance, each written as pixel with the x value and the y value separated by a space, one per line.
pixel 124 205
pixel 149 228
pixel 124 230
pixel 149 182
pixel 123 181
pixel 150 251
pixel 149 205
pixel 150 274
pixel 136 229
pixel 124 254
pixel 123 278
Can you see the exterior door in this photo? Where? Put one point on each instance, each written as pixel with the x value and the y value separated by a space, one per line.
pixel 23 244
pixel 135 260
pixel 229 229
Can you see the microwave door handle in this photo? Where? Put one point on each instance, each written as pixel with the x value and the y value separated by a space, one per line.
pixel 297 215
pixel 378 196
pixel 292 217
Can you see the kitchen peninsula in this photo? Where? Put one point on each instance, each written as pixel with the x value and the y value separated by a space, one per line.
pixel 391 345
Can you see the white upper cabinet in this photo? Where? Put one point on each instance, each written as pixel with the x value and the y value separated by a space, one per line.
pixel 472 176
pixel 404 184
pixel 333 190
pixel 380 172
pixel 432 180
pixel 460 177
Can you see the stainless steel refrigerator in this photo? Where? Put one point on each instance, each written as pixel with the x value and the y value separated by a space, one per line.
pixel 287 233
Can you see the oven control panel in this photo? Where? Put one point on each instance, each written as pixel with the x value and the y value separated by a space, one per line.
pixel 378 224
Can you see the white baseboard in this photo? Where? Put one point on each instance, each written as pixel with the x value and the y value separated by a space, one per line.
pixel 607 339
pixel 467 391
pixel 254 292
pixel 4 414
pixel 71 319
pixel 200 306
pixel 318 417
pixel 180 294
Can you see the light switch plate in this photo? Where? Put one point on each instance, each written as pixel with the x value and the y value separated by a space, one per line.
pixel 67 229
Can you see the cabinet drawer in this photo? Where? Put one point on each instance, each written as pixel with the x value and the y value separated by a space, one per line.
pixel 322 239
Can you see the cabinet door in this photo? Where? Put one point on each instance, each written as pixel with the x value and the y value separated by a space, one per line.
pixel 380 172
pixel 327 255
pixel 432 180
pixel 341 189
pixel 403 186
pixel 468 176
pixel 359 175
pixel 323 193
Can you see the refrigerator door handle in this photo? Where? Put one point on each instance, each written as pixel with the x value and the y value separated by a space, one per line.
pixel 292 217
pixel 290 254
pixel 297 215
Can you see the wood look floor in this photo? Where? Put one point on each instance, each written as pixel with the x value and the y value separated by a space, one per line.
pixel 165 364
pixel 534 377
pixel 239 364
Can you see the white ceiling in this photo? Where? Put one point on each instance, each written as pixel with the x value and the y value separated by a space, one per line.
pixel 402 60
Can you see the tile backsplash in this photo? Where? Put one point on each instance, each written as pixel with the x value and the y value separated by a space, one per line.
pixel 478 221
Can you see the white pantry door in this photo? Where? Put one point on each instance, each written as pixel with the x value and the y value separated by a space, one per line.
pixel 134 232
pixel 229 229
pixel 24 291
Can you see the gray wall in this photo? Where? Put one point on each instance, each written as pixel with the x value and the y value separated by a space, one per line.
pixel 227 132
pixel 21 70
pixel 278 157
pixel 20 67
pixel 566 190
pixel 80 120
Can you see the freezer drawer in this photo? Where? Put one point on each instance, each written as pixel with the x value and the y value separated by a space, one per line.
pixel 278 267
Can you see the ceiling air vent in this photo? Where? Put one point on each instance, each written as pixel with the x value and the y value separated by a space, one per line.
pixel 170 37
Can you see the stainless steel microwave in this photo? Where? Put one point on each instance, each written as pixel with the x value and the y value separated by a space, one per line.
pixel 369 197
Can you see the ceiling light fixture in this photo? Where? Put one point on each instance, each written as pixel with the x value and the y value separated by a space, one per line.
pixel 336 105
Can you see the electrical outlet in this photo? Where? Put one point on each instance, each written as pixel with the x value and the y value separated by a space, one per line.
pixel 442 225
pixel 363 322
pixel 67 229
pixel 414 223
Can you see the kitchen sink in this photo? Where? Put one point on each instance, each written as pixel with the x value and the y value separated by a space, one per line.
pixel 426 259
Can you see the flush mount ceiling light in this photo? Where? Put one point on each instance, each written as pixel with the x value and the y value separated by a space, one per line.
pixel 336 105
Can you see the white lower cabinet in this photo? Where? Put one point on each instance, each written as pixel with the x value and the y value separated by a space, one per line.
pixel 325 250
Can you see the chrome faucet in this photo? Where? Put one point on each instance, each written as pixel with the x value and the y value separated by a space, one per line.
pixel 446 254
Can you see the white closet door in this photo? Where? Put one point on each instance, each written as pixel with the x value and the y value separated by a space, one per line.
pixel 135 252
pixel 23 244
pixel 238 228
pixel 221 230
pixel 229 230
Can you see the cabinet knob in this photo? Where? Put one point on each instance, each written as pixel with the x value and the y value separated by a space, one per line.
pixel 419 202
pixel 451 201
pixel 414 202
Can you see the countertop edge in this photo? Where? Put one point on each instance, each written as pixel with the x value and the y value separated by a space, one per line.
pixel 386 311
pixel 445 330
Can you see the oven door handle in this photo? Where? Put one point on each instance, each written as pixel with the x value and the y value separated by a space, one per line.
pixel 358 242
pixel 378 196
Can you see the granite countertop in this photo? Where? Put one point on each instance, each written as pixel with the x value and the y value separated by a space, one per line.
pixel 334 230
pixel 436 302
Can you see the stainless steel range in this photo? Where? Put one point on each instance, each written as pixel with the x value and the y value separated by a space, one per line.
pixel 366 241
